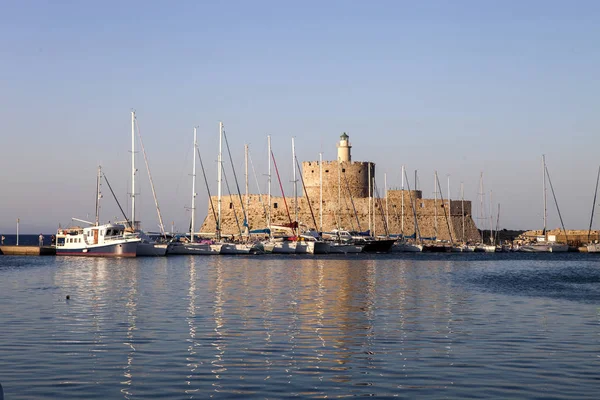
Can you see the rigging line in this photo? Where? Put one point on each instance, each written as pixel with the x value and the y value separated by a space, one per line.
pixel 212 206
pixel 413 205
pixel 306 194
pixel 348 209
pixel 445 213
pixel 236 181
pixel 594 205
pixel 237 221
pixel 281 187
pixel 115 197
pixel 160 220
pixel 260 200
pixel 556 203
pixel 352 201
pixel 385 226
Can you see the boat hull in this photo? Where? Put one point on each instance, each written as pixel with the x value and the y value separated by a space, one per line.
pixel 406 248
pixel 319 248
pixel 127 249
pixel 593 248
pixel 151 249
pixel 378 246
pixel 241 248
pixel 202 249
pixel 345 248
pixel 281 247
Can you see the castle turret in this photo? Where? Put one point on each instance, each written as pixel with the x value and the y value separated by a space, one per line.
pixel 344 148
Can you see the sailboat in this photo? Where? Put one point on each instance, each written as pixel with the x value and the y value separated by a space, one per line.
pixel 483 247
pixel 191 247
pixel 402 245
pixel 231 248
pixel 284 241
pixel 543 244
pixel 147 246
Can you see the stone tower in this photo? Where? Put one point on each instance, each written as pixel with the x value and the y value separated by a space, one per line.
pixel 344 148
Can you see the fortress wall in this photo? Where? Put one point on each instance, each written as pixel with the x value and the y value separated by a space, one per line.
pixel 335 175
pixel 342 215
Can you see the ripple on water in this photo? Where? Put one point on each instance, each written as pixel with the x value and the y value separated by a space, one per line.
pixel 262 327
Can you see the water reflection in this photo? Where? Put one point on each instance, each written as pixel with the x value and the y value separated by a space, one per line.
pixel 130 281
pixel 192 361
pixel 274 327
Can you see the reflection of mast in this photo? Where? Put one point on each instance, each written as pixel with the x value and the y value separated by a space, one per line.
pixel 218 313
pixel 131 306
pixel 191 359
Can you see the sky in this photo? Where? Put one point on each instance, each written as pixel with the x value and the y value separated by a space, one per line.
pixel 461 88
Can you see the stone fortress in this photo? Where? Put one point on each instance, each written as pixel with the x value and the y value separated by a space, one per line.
pixel 346 186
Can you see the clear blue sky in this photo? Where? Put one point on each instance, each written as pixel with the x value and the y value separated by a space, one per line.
pixel 460 87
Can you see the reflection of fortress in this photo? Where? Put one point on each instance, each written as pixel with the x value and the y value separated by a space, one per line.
pixel 346 187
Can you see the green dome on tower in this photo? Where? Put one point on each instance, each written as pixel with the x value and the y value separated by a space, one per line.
pixel 343 136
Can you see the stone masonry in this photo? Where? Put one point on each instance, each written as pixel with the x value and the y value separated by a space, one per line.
pixel 346 205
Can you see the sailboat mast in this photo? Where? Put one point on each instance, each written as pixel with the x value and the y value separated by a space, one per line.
pixel 386 199
pixel 481 206
pixel 462 196
pixel 435 221
pixel 402 222
pixel 295 182
pixel 219 177
pixel 450 208
pixel 544 191
pixel 97 195
pixel 269 183
pixel 133 169
pixel 491 219
pixel 193 186
pixel 369 177
pixel 321 191
pixel 247 188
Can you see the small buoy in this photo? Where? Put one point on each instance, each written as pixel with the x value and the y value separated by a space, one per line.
pixel 68 297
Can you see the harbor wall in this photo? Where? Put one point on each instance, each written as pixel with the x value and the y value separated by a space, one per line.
pixel 430 214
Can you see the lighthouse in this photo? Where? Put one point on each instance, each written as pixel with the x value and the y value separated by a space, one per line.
pixel 344 148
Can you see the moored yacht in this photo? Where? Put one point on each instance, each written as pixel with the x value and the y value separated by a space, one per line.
pixel 106 240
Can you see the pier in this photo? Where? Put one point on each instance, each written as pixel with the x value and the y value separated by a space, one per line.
pixel 28 250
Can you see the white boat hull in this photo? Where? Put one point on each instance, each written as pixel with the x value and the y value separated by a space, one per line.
pixel 593 248
pixel 282 247
pixel 241 248
pixel 406 248
pixel 545 248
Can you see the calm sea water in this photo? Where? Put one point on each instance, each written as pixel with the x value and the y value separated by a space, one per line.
pixel 415 326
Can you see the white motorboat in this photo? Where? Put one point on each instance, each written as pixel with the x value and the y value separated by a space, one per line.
pixel 99 240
